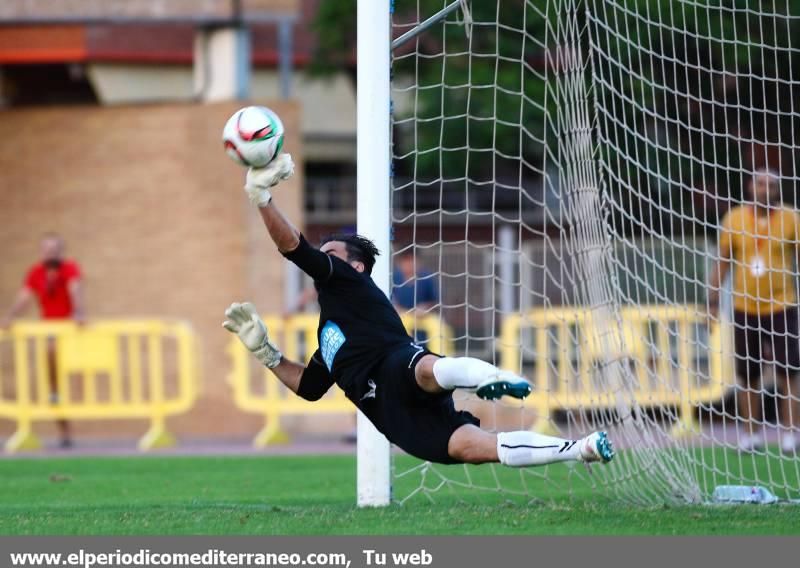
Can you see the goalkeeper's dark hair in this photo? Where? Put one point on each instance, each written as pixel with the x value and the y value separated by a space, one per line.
pixel 359 248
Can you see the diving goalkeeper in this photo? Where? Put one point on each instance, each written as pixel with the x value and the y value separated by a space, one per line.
pixel 402 388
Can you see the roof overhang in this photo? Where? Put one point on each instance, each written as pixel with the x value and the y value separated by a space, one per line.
pixel 200 12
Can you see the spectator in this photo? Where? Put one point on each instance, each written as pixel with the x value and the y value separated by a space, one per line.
pixel 758 241
pixel 413 287
pixel 55 283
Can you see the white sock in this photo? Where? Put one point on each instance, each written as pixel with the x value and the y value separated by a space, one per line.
pixel 521 449
pixel 462 372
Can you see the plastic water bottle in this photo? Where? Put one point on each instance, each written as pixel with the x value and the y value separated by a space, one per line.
pixel 733 494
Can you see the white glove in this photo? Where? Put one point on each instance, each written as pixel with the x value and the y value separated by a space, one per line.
pixel 260 180
pixel 244 321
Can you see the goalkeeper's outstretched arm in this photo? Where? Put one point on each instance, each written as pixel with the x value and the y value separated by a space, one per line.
pixel 283 233
pixel 281 230
pixel 310 382
pixel 258 185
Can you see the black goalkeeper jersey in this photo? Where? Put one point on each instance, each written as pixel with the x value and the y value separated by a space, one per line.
pixel 358 326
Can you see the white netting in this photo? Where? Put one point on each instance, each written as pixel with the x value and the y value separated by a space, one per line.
pixel 561 171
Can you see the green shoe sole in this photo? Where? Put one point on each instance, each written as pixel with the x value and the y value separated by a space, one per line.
pixel 604 448
pixel 499 389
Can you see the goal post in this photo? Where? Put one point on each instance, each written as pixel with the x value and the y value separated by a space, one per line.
pixel 373 217
pixel 374 192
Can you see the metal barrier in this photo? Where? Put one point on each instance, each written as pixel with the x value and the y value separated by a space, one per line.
pixel 297 336
pixel 109 370
pixel 649 356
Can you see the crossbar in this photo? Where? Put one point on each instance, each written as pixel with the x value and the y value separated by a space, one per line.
pixel 437 17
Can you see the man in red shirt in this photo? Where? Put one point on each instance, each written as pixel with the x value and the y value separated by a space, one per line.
pixel 55 283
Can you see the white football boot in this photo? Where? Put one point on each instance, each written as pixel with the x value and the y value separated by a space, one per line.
pixel 596 447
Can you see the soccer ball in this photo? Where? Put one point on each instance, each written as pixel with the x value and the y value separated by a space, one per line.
pixel 253 136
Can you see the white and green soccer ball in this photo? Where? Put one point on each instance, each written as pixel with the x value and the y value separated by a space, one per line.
pixel 253 136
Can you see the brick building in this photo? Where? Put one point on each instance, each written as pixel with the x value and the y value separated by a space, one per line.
pixel 105 139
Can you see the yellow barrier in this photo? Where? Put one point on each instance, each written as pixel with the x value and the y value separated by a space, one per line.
pixel 650 355
pixel 127 357
pixel 297 336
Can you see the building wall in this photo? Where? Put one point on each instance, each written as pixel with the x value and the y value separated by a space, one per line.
pixel 328 106
pixel 153 210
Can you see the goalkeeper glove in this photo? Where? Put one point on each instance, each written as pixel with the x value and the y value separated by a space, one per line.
pixel 260 180
pixel 244 321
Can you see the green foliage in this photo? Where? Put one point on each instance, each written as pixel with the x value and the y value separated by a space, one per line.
pixel 687 84
pixel 679 86
pixel 474 93
pixel 335 30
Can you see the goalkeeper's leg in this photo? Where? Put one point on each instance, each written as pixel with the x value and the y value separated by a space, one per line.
pixel 470 444
pixel 436 374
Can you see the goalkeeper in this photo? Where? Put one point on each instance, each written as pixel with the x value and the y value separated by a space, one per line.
pixel 403 389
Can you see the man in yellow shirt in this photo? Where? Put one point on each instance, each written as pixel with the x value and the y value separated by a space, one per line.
pixel 759 242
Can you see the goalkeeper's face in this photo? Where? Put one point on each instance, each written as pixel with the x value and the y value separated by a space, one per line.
pixel 339 250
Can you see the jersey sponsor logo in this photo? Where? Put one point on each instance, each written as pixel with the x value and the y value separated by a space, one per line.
pixel 371 392
pixel 330 341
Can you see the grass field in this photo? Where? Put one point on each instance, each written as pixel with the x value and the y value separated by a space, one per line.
pixel 316 495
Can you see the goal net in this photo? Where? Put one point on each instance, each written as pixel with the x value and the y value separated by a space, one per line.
pixel 561 170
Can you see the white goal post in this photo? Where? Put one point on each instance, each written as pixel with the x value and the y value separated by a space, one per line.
pixel 373 186
pixel 374 220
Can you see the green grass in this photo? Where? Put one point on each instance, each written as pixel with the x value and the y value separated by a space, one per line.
pixel 316 495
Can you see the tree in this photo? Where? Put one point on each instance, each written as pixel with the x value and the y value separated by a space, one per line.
pixel 676 86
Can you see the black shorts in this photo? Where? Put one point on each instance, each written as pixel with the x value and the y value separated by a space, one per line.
pixel 768 339
pixel 418 422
